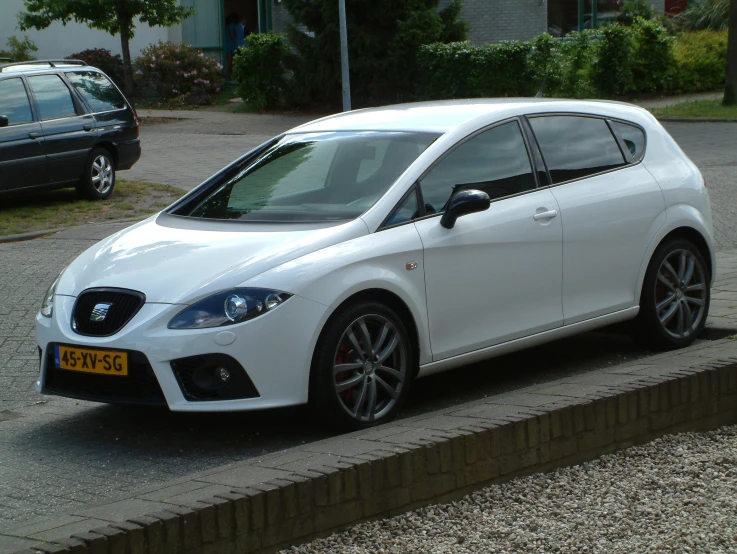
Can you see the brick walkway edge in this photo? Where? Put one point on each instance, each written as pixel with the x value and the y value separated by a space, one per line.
pixel 297 494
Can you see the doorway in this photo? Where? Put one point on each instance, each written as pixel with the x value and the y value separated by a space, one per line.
pixel 247 8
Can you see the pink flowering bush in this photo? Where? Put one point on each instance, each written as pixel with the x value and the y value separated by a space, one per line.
pixel 177 69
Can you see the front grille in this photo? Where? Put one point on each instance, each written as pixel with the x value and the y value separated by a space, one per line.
pixel 199 378
pixel 104 312
pixel 140 386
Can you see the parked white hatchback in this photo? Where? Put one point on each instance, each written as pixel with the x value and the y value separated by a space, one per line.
pixel 342 259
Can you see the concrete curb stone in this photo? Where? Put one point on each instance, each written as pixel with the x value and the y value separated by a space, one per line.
pixel 308 491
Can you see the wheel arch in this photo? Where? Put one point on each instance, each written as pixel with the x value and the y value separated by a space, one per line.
pixel 110 147
pixel 385 297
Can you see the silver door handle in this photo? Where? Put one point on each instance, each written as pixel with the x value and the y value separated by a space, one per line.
pixel 550 214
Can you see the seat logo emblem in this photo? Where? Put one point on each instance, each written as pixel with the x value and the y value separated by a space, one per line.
pixel 99 312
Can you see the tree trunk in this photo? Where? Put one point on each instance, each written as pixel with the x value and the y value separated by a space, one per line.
pixel 127 67
pixel 730 90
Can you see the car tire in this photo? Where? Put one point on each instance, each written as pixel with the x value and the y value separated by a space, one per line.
pixel 98 180
pixel 377 372
pixel 674 302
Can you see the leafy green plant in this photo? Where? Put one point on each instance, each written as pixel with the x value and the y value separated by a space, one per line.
pixel 104 59
pixel 700 61
pixel 384 41
pixel 653 59
pixel 177 69
pixel 702 15
pixel 612 69
pixel 261 72
pixel 19 50
pixel 633 9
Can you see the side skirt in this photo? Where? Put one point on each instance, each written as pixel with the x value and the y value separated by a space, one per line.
pixel 527 342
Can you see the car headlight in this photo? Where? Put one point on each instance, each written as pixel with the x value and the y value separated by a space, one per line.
pixel 47 306
pixel 228 308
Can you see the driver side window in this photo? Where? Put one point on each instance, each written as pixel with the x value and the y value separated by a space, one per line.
pixel 494 161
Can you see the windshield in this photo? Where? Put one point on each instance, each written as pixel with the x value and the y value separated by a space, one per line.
pixel 314 177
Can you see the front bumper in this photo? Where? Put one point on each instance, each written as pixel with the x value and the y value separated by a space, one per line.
pixel 275 350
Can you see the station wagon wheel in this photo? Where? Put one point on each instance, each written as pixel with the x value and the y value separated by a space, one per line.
pixel 98 179
pixel 363 367
pixel 675 297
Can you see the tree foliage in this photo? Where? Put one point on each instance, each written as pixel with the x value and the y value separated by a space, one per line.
pixel 112 16
pixel 384 39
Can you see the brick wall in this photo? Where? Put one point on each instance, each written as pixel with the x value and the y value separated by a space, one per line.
pixel 498 20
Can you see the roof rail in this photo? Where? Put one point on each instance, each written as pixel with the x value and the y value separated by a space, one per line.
pixel 51 63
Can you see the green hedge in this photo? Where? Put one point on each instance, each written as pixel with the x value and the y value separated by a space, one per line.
pixel 614 61
pixel 260 69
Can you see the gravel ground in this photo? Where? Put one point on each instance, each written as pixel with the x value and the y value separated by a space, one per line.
pixel 674 494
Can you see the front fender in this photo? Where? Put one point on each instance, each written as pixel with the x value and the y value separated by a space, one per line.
pixel 376 261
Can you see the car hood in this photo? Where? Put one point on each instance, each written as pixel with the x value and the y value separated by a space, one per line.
pixel 176 260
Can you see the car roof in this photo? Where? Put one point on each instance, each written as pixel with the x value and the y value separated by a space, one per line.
pixel 36 66
pixel 441 116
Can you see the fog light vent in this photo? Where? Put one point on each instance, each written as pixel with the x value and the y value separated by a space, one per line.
pixel 213 377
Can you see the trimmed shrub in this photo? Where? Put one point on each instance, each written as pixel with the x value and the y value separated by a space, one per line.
pixel 612 69
pixel 654 59
pixel 104 59
pixel 700 61
pixel 261 72
pixel 177 69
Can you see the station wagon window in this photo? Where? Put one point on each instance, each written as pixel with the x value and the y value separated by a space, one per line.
pixel 313 177
pixel 494 161
pixel 53 98
pixel 97 90
pixel 14 102
pixel 576 146
pixel 633 137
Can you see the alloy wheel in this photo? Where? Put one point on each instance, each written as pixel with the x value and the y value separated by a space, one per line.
pixel 370 367
pixel 680 294
pixel 102 174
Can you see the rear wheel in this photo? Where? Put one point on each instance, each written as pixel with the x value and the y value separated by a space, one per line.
pixel 362 367
pixel 98 179
pixel 675 297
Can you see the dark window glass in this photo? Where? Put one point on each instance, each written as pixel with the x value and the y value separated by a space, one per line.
pixel 14 102
pixel 494 161
pixel 633 137
pixel 407 210
pixel 314 177
pixel 576 147
pixel 52 97
pixel 97 90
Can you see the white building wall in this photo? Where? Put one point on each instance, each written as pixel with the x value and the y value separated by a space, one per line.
pixel 58 41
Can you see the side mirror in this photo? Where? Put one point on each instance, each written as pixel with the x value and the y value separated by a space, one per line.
pixel 463 203
pixel 4 121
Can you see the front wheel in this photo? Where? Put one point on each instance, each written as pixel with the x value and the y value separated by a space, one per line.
pixel 362 367
pixel 675 297
pixel 98 179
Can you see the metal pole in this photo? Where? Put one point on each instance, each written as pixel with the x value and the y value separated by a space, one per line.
pixel 344 57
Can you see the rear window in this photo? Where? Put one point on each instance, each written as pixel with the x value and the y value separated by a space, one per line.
pixel 14 102
pixel 97 90
pixel 576 146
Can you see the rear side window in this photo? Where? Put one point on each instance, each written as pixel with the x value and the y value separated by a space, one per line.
pixel 97 90
pixel 494 161
pixel 633 137
pixel 575 146
pixel 14 102
pixel 52 96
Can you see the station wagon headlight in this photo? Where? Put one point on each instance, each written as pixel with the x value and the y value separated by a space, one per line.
pixel 228 308
pixel 47 306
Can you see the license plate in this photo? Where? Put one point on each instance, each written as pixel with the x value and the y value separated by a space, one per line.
pixel 104 362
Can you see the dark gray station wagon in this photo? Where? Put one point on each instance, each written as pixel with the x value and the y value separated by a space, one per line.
pixel 62 124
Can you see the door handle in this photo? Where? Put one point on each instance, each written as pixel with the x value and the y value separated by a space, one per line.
pixel 550 214
pixel 87 127
pixel 33 135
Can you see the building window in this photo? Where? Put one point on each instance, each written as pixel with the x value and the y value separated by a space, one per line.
pixel 565 16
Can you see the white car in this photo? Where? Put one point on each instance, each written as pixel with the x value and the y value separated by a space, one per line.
pixel 339 261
